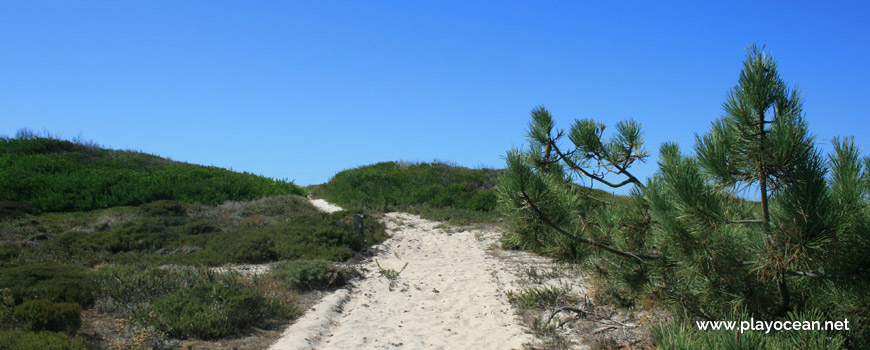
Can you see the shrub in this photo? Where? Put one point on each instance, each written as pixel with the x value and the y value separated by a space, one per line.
pixel 143 235
pixel 124 289
pixel 43 315
pixel 9 251
pixel 14 210
pixel 210 310
pixel 23 340
pixel 312 274
pixel 54 282
pixel 199 227
pixel 7 308
pixel 164 208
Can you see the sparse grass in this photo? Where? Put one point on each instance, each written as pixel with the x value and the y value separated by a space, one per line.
pixel 541 297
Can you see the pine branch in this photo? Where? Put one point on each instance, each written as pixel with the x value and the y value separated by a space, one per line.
pixel 573 165
pixel 751 221
pixel 643 258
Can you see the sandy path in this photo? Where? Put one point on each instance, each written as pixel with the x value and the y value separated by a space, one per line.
pixel 449 297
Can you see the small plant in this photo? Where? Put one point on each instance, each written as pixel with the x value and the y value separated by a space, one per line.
pixel 390 274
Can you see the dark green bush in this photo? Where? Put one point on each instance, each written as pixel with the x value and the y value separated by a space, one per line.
pixel 7 308
pixel 9 251
pixel 164 208
pixel 146 234
pixel 210 310
pixel 43 315
pixel 14 210
pixel 55 282
pixel 312 274
pixel 23 340
pixel 199 227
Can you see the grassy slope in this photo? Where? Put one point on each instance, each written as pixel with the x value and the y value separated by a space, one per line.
pixel 57 175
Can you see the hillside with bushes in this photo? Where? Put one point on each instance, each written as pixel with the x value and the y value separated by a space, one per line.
pixel 50 175
pixel 117 249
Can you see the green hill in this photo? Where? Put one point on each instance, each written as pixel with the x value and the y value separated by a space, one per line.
pixel 435 190
pixel 396 185
pixel 57 175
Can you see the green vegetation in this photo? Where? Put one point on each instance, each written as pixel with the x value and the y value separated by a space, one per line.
pixel 685 241
pixel 541 297
pixel 271 229
pixel 24 340
pixel 193 302
pixel 50 277
pixel 60 283
pixel 43 315
pixel 54 175
pixel 118 234
pixel 312 274
pixel 390 274
pixel 435 190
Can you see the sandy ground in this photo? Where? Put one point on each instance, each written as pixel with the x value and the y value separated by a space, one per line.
pixel 325 206
pixel 451 295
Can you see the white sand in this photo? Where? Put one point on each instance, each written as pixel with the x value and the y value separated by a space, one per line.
pixel 449 297
pixel 325 206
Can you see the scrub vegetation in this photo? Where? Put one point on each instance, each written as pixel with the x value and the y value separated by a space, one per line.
pixel 89 235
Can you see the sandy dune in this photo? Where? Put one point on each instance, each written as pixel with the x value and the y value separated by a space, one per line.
pixel 450 296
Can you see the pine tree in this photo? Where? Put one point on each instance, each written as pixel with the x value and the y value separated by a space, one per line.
pixel 686 236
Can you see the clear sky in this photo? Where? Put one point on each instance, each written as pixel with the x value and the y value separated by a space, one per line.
pixel 300 90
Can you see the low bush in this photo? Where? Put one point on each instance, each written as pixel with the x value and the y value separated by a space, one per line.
pixel 210 310
pixel 43 315
pixel 199 227
pixel 55 282
pixel 24 340
pixel 185 302
pixel 7 308
pixel 14 210
pixel 312 274
pixel 164 208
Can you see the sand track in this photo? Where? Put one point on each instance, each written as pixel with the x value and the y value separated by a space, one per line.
pixel 450 296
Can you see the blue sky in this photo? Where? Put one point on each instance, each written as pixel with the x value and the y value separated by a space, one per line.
pixel 302 90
